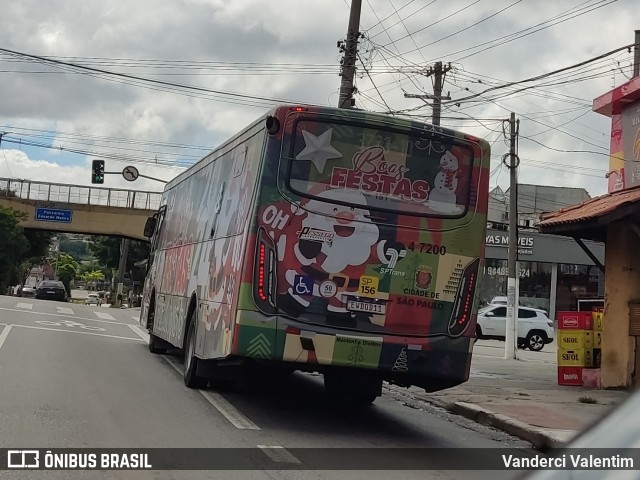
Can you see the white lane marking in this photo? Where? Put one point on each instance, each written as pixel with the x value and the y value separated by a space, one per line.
pixel 70 324
pixel 28 306
pixel 65 316
pixel 65 310
pixel 77 332
pixel 135 318
pixel 230 412
pixel 223 406
pixel 278 454
pixel 4 334
pixel 138 331
pixel 103 316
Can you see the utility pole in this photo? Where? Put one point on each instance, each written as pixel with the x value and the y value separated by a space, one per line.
pixel 636 55
pixel 511 334
pixel 350 50
pixel 437 91
pixel 438 71
pixel 122 266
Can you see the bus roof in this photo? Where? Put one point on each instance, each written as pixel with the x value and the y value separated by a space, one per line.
pixel 351 113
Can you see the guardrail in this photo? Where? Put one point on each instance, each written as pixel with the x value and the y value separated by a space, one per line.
pixel 78 194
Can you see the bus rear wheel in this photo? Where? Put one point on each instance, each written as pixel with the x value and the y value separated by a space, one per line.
pixel 157 345
pixel 191 378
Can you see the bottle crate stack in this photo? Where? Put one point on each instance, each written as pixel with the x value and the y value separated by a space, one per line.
pixel 579 339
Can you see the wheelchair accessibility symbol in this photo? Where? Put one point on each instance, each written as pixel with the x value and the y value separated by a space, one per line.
pixel 303 285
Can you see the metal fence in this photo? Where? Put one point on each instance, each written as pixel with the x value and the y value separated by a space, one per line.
pixel 77 194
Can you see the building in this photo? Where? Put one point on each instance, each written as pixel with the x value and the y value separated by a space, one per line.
pixel 533 200
pixel 554 271
pixel 614 218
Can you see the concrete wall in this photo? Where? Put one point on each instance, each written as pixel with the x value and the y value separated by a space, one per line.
pixel 87 219
pixel 622 285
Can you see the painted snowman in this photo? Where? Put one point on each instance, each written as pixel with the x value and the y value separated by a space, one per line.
pixel 442 197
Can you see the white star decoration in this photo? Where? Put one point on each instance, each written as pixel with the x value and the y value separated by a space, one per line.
pixel 318 149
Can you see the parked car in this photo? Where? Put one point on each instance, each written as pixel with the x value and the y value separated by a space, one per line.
pixel 92 299
pixel 28 291
pixel 618 430
pixel 51 290
pixel 498 301
pixel 535 328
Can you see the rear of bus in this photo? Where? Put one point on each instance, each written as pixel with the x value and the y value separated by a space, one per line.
pixel 367 243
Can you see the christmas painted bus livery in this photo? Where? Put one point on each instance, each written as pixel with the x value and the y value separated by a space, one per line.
pixel 329 240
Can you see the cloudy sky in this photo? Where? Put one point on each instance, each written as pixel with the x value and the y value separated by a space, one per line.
pixel 63 105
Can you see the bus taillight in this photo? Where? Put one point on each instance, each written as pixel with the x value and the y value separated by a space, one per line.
pixel 265 273
pixel 462 308
pixel 261 262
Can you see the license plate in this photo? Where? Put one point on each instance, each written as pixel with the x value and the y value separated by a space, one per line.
pixel 356 306
pixel 50 291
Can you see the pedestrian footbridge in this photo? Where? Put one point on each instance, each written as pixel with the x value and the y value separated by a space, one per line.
pixel 80 209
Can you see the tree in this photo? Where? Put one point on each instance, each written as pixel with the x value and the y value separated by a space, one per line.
pixel 38 244
pixel 107 251
pixel 78 249
pixel 93 278
pixel 13 245
pixel 66 268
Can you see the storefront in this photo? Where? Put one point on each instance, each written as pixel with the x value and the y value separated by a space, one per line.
pixel 554 272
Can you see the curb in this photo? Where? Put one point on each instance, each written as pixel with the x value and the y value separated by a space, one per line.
pixel 538 437
pixel 534 435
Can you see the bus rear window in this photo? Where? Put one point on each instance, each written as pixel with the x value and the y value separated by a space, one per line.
pixel 410 172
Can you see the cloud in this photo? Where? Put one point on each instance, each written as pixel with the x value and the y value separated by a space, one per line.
pixel 178 42
pixel 14 164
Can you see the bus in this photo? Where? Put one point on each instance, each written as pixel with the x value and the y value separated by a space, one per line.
pixel 327 240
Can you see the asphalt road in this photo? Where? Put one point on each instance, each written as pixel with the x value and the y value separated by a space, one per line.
pixel 76 376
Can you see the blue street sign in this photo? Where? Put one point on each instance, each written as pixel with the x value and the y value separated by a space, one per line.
pixel 53 215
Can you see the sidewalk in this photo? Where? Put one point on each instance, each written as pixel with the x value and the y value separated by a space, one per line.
pixel 522 397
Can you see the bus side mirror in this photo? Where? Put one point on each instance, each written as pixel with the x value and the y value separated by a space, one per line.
pixel 150 226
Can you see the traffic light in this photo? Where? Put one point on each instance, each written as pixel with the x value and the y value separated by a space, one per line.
pixel 97 171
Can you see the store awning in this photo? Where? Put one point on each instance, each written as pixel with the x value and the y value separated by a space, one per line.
pixel 588 220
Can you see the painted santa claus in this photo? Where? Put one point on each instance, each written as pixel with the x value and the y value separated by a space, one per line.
pixel 332 248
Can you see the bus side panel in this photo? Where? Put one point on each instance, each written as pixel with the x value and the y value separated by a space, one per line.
pixel 173 259
pixel 254 331
pixel 217 272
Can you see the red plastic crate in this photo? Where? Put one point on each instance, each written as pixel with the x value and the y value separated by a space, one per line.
pixel 575 321
pixel 570 376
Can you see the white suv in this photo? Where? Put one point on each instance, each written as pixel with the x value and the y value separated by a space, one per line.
pixel 535 328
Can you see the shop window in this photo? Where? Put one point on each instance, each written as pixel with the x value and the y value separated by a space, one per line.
pixel 535 283
pixel 576 282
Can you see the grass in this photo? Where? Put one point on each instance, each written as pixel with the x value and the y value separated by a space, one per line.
pixel 589 400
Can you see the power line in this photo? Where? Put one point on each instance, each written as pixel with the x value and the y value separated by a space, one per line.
pixel 544 75
pixel 466 28
pixel 59 63
pixel 516 35
pixel 435 23
pixel 390 15
pixel 411 15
